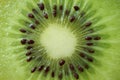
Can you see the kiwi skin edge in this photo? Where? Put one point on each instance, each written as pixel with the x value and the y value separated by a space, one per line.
pixel 110 71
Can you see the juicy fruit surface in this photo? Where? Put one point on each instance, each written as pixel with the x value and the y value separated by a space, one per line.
pixel 110 60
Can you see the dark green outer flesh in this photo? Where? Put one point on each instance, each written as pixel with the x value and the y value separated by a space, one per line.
pixel 10 69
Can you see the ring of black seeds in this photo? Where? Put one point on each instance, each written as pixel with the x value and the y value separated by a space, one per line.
pixel 62 62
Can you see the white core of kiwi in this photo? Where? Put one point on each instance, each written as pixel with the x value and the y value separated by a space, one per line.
pixel 61 45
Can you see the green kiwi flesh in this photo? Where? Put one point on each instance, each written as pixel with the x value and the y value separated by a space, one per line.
pixel 97 54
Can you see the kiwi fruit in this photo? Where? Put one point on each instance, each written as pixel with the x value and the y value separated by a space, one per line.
pixel 59 40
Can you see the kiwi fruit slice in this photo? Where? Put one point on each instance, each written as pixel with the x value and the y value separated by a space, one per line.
pixel 59 40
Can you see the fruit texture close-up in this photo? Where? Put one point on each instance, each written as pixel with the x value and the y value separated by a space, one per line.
pixel 59 39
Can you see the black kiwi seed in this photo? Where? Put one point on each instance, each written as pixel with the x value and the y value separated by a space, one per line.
pixel 55 10
pixel 55 7
pixel 97 38
pixel 71 67
pixel 61 62
pixel 80 69
pixel 47 69
pixel 90 59
pixel 28 53
pixel 82 55
pixel 72 18
pixel 32 26
pixel 41 6
pixel 76 75
pixel 88 38
pixel 23 41
pixel 30 15
pixel 61 7
pixel 89 43
pixel 41 68
pixel 88 24
pixel 33 70
pixel 53 74
pixel 29 59
pixel 45 15
pixel 23 30
pixel 31 42
pixel 76 8
pixel 29 47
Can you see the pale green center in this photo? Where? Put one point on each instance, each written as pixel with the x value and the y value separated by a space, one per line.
pixel 58 41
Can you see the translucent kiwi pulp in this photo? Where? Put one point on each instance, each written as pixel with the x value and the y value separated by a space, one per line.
pixel 59 39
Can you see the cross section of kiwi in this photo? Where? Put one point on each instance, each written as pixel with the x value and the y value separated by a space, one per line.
pixel 59 39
